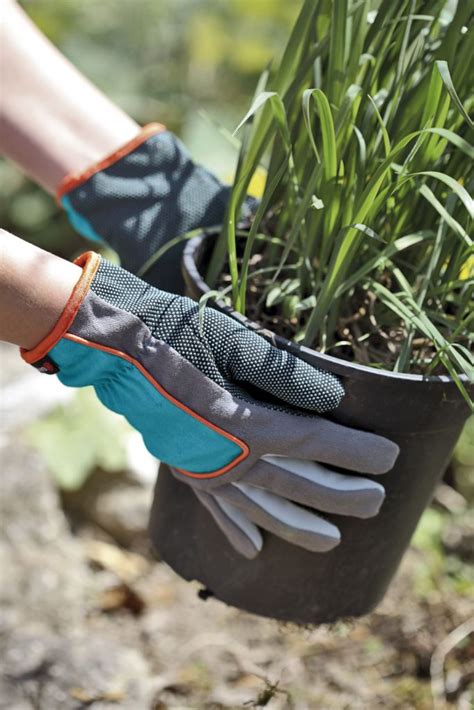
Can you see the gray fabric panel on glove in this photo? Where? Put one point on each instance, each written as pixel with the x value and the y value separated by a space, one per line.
pixel 237 507
pixel 281 517
pixel 312 484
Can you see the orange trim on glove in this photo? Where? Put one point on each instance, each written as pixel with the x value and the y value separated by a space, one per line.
pixel 73 180
pixel 90 263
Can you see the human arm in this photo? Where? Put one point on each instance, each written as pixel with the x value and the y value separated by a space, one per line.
pixel 53 120
pixel 34 289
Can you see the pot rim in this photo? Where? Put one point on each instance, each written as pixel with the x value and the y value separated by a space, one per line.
pixel 335 364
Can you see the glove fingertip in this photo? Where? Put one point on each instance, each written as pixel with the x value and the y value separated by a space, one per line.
pixel 322 391
pixel 247 546
pixel 249 551
pixel 328 543
pixel 335 393
pixel 374 503
pixel 388 455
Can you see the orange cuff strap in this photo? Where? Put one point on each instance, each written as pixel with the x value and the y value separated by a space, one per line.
pixel 73 180
pixel 89 262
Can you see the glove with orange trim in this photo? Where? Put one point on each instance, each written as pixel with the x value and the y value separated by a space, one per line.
pixel 141 197
pixel 188 382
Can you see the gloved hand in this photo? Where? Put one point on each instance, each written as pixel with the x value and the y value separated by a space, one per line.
pixel 141 197
pixel 182 379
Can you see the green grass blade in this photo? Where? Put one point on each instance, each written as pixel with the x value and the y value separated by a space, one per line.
pixel 448 82
pixel 295 46
pixel 383 128
pixel 457 228
pixel 257 104
pixel 328 135
pixel 249 244
pixel 337 51
pixel 381 259
pixel 432 96
pixel 454 185
pixel 307 94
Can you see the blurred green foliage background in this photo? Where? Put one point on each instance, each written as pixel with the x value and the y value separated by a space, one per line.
pixel 191 64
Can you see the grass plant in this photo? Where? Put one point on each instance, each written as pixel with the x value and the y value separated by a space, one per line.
pixel 364 131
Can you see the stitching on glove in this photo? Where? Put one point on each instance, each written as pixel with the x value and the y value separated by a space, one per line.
pixel 90 263
pixel 210 474
pixel 73 180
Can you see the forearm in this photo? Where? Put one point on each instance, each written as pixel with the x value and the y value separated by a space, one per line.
pixel 53 121
pixel 34 289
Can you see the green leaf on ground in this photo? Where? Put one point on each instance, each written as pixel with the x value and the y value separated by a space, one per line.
pixel 78 437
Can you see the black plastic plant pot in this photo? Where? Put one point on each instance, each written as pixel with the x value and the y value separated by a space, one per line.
pixel 424 416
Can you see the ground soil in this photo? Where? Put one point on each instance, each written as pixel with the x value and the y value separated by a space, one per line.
pixel 90 619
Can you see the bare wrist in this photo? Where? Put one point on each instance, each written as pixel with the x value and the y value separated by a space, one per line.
pixel 34 289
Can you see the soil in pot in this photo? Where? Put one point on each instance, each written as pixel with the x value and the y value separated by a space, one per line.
pixel 366 333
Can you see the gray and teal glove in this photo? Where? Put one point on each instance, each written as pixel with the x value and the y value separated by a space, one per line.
pixel 141 197
pixel 188 382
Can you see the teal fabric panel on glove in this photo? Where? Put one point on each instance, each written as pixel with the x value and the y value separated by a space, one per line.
pixel 169 432
pixel 80 223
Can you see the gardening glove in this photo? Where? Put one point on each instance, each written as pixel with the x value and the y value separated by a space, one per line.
pixel 182 375
pixel 141 197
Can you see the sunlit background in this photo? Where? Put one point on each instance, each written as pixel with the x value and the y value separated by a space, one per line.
pixel 86 616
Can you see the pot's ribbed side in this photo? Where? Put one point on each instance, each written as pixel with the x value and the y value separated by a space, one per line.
pixel 286 582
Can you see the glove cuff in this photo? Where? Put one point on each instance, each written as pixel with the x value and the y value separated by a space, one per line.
pixel 89 261
pixel 73 180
